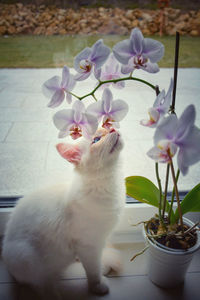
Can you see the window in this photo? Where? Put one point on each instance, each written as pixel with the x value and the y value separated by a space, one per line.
pixel 27 135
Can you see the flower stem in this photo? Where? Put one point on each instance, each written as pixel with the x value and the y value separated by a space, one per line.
pixel 173 194
pixel 113 81
pixel 177 195
pixel 160 189
pixel 74 95
pixel 166 187
pixel 93 95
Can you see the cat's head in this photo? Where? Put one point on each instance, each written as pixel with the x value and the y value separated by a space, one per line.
pixel 100 153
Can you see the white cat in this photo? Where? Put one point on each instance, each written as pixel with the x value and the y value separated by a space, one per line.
pixel 52 227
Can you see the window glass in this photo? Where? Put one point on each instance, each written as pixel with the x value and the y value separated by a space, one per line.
pixel 36 41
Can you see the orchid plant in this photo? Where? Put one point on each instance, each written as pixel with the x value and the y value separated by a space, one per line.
pixel 173 136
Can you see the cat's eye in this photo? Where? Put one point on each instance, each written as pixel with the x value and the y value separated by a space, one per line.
pixel 96 139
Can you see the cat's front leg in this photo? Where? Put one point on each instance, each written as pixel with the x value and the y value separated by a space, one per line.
pixel 90 257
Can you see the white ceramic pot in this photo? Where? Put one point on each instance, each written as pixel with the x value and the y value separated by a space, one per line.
pixel 167 267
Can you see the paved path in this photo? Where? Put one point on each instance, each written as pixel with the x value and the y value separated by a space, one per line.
pixel 28 157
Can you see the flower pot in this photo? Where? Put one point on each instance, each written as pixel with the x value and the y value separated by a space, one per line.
pixel 167 267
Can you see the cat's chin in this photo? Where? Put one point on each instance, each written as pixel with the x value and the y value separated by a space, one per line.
pixel 118 145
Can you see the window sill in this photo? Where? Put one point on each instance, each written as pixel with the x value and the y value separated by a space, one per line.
pixel 124 232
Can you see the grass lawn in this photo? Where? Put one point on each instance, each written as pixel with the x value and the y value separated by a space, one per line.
pixel 56 51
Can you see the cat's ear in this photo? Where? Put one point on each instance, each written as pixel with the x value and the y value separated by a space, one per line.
pixel 72 153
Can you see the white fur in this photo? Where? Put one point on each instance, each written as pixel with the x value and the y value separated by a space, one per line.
pixel 50 228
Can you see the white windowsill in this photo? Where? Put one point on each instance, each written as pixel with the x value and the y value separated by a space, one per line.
pixel 124 232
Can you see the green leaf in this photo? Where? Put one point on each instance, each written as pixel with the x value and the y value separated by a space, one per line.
pixel 191 202
pixel 143 190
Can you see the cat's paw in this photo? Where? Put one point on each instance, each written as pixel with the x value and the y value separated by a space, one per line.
pixel 100 288
pixel 111 261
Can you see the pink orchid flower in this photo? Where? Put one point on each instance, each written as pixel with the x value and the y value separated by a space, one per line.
pixel 111 70
pixel 160 107
pixel 138 53
pixel 179 135
pixel 75 122
pixel 56 88
pixel 110 111
pixel 91 59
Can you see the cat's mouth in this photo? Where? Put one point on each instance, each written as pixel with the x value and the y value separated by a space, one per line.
pixel 115 144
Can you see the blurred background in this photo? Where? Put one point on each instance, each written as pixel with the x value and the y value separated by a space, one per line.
pixel 60 29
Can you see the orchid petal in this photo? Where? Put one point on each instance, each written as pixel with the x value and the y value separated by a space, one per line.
pixel 65 77
pixel 96 109
pixel 186 121
pixel 65 131
pixel 89 125
pixel 119 110
pixel 92 122
pixel 63 118
pixel 107 98
pixel 154 118
pixel 186 158
pixel 159 99
pixel 71 83
pixel 164 108
pixel 99 54
pixel 166 129
pixel 181 163
pixel 77 116
pixel 127 68
pixel 169 147
pixel 57 98
pixel 116 125
pixel 147 123
pixel 189 153
pixel 86 133
pixel 170 89
pixel 193 139
pixel 78 105
pixel 69 97
pixel 51 85
pixel 97 73
pixel 84 54
pixel 150 67
pixel 158 155
pixel 96 47
pixel 81 76
pixel 78 108
pixel 137 40
pixel 111 64
pixel 154 114
pixel 162 102
pixel 153 49
pixel 110 71
pixel 123 51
